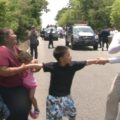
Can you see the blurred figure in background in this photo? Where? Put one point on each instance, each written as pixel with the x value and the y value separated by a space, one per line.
pixel 50 39
pixel 34 42
pixel 104 38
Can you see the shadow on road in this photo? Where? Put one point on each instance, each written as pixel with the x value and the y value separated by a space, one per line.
pixel 82 48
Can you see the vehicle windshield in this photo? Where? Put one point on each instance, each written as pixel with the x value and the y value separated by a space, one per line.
pixel 83 29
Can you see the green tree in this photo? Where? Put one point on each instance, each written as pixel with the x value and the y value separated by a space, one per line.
pixel 115 14
pixel 95 12
pixel 3 12
pixel 66 18
pixel 20 15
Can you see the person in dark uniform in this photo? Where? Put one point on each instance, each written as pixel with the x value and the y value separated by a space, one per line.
pixel 99 38
pixel 104 38
pixel 50 39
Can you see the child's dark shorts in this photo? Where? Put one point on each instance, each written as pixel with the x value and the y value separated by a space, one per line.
pixel 57 107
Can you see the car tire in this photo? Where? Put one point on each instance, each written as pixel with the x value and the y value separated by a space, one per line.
pixel 95 47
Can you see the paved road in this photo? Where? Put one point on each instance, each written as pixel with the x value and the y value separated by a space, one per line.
pixel 90 86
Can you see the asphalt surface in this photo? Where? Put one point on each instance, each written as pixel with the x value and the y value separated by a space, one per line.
pixel 90 85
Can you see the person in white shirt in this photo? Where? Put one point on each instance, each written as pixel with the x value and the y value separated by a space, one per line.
pixel 113 98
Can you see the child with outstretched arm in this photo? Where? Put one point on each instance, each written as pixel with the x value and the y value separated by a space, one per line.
pixel 59 101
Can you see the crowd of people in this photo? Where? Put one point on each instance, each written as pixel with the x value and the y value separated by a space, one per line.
pixel 17 84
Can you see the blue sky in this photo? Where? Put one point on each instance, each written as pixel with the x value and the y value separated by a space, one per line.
pixel 54 6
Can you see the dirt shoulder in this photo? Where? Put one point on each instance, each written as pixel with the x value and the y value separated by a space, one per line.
pixel 24 45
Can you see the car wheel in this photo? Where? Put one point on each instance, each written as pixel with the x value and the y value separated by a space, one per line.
pixel 95 47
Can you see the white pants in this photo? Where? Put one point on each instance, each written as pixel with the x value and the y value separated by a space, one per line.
pixel 113 99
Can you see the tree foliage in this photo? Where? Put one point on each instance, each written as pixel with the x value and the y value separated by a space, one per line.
pixel 95 12
pixel 115 14
pixel 20 15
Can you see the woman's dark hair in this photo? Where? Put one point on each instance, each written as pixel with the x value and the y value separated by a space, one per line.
pixel 59 51
pixel 4 32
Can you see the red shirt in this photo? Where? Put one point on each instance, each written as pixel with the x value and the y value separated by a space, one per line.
pixel 8 59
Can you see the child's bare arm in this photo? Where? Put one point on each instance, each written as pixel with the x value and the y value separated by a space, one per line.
pixel 101 61
pixel 111 60
pixel 91 61
pixel 35 65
